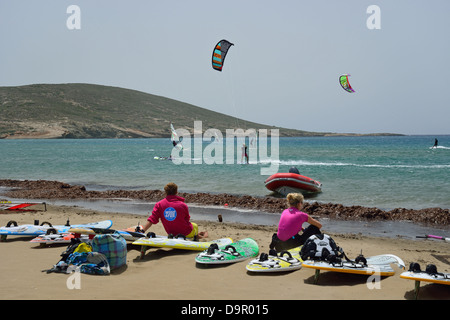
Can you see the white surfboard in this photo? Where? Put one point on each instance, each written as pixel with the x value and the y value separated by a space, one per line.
pixel 380 265
pixel 35 229
pixel 178 243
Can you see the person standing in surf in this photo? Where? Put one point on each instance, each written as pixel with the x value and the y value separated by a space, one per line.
pixel 291 223
pixel 435 143
pixel 174 215
pixel 244 153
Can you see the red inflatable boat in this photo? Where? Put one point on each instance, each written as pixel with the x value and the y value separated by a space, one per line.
pixel 285 183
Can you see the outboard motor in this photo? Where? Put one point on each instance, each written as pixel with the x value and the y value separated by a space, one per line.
pixel 294 170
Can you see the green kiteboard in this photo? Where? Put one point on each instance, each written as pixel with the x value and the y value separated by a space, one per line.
pixel 231 253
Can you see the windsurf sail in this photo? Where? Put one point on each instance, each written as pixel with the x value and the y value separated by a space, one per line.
pixel 216 137
pixel 345 84
pixel 174 138
pixel 219 53
pixel 9 205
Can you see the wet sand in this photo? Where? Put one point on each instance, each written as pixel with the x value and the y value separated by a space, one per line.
pixel 43 189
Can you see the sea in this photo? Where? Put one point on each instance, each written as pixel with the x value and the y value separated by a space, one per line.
pixel 386 172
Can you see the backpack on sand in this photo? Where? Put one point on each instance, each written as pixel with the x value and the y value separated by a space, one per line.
pixel 323 248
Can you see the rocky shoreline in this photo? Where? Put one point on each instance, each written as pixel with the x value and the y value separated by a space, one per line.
pixel 44 189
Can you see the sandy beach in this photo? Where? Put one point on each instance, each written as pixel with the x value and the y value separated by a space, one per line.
pixel 170 274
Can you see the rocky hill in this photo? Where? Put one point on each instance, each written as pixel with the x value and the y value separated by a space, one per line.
pixel 95 111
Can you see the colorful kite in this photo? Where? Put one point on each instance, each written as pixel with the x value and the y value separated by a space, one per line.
pixel 219 54
pixel 343 80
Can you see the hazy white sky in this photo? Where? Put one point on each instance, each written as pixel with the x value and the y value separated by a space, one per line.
pixel 283 69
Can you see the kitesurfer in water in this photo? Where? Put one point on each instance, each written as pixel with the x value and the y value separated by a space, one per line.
pixel 435 143
pixel 244 149
pixel 174 215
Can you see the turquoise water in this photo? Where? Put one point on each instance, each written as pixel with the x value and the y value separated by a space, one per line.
pixel 383 172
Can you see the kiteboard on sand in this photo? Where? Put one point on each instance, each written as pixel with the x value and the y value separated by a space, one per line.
pixel 57 238
pixel 231 253
pixel 429 275
pixel 128 234
pixel 380 265
pixel 277 262
pixel 84 234
pixel 12 228
pixel 177 242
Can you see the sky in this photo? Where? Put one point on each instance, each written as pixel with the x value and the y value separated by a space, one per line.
pixel 283 69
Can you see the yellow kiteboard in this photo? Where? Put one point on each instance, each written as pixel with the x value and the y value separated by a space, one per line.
pixel 177 243
pixel 276 262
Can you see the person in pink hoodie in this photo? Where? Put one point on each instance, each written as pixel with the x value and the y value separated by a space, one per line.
pixel 174 215
pixel 291 223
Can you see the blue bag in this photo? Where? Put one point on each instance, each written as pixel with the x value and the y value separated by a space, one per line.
pixel 113 246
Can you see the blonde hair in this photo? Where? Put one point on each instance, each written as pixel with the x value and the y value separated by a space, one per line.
pixel 171 189
pixel 293 199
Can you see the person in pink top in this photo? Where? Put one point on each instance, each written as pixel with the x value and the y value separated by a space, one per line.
pixel 174 215
pixel 291 224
